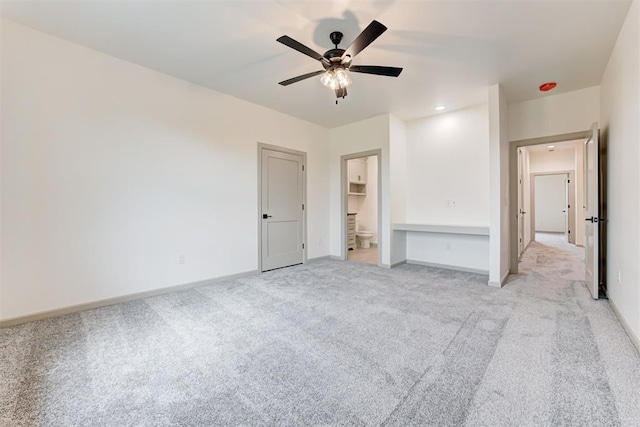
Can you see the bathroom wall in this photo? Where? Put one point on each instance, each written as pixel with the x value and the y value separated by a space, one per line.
pixel 368 212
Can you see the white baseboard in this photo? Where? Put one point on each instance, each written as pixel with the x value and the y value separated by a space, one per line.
pixel 335 258
pixel 632 335
pixel 448 267
pixel 14 321
pixel 502 282
pixel 320 258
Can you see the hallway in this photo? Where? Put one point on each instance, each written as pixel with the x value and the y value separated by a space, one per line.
pixel 550 255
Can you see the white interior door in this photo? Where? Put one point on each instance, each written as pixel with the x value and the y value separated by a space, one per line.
pixel 591 211
pixel 282 208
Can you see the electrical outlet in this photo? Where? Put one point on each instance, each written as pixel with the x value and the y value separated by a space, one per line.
pixel 181 259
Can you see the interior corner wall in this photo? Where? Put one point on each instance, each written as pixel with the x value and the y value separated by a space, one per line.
pixel 362 136
pixel 111 170
pixel 499 239
pixel 620 132
pixel 448 183
pixel 398 186
pixel 551 115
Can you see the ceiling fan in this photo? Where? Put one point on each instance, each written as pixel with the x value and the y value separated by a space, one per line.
pixel 337 62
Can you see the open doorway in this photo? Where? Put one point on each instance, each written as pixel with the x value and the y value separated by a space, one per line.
pixel 361 207
pixel 553 205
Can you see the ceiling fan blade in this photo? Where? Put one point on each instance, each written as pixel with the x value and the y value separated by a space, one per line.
pixel 374 69
pixel 364 39
pixel 302 77
pixel 293 44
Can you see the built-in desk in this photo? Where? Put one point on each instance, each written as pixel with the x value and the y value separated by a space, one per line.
pixel 457 247
pixel 443 228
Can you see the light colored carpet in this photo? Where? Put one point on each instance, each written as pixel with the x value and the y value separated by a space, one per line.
pixel 335 343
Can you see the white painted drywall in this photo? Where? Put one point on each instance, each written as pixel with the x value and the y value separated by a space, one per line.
pixel 550 203
pixel 359 137
pixel 448 168
pixel 526 200
pixel 579 193
pixel 620 129
pixel 554 114
pixel 447 163
pixel 111 170
pixel 398 141
pixel 499 239
pixel 559 160
pixel 366 207
pixel 452 250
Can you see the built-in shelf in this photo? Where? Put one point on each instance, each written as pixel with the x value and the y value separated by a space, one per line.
pixel 357 189
pixel 443 228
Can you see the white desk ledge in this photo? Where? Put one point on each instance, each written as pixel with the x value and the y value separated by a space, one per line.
pixel 442 228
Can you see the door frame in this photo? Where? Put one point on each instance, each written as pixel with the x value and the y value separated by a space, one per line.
pixel 263 146
pixel 513 185
pixel 344 200
pixel 532 201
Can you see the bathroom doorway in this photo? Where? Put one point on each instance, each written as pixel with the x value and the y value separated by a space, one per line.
pixel 362 207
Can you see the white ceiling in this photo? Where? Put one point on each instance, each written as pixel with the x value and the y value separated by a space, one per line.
pixel 451 50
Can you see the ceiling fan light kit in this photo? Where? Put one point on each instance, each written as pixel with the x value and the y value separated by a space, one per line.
pixel 337 62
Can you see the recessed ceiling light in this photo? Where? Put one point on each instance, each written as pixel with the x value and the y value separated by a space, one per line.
pixel 440 108
pixel 551 147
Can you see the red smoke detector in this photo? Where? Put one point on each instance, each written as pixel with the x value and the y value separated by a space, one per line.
pixel 545 87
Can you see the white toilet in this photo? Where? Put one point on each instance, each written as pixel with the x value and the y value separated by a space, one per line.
pixel 363 237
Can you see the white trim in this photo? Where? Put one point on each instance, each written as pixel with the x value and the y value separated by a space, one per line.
pixel 635 339
pixel 449 267
pixel 13 321
pixel 503 280
pixel 320 258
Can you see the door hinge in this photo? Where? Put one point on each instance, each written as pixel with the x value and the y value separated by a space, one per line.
pixel 302 168
pixel 569 206
pixel 569 231
pixel 303 206
pixel 303 246
pixel 568 181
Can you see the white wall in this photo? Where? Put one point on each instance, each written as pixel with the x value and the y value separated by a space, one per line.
pixel 398 141
pixel 368 213
pixel 554 114
pixel 550 203
pixel 579 193
pixel 366 207
pixel 559 160
pixel 526 199
pixel 620 130
pixel 365 135
pixel 111 170
pixel 447 163
pixel 448 183
pixel 499 241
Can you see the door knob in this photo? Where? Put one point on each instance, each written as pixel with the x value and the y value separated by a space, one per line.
pixel 265 216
